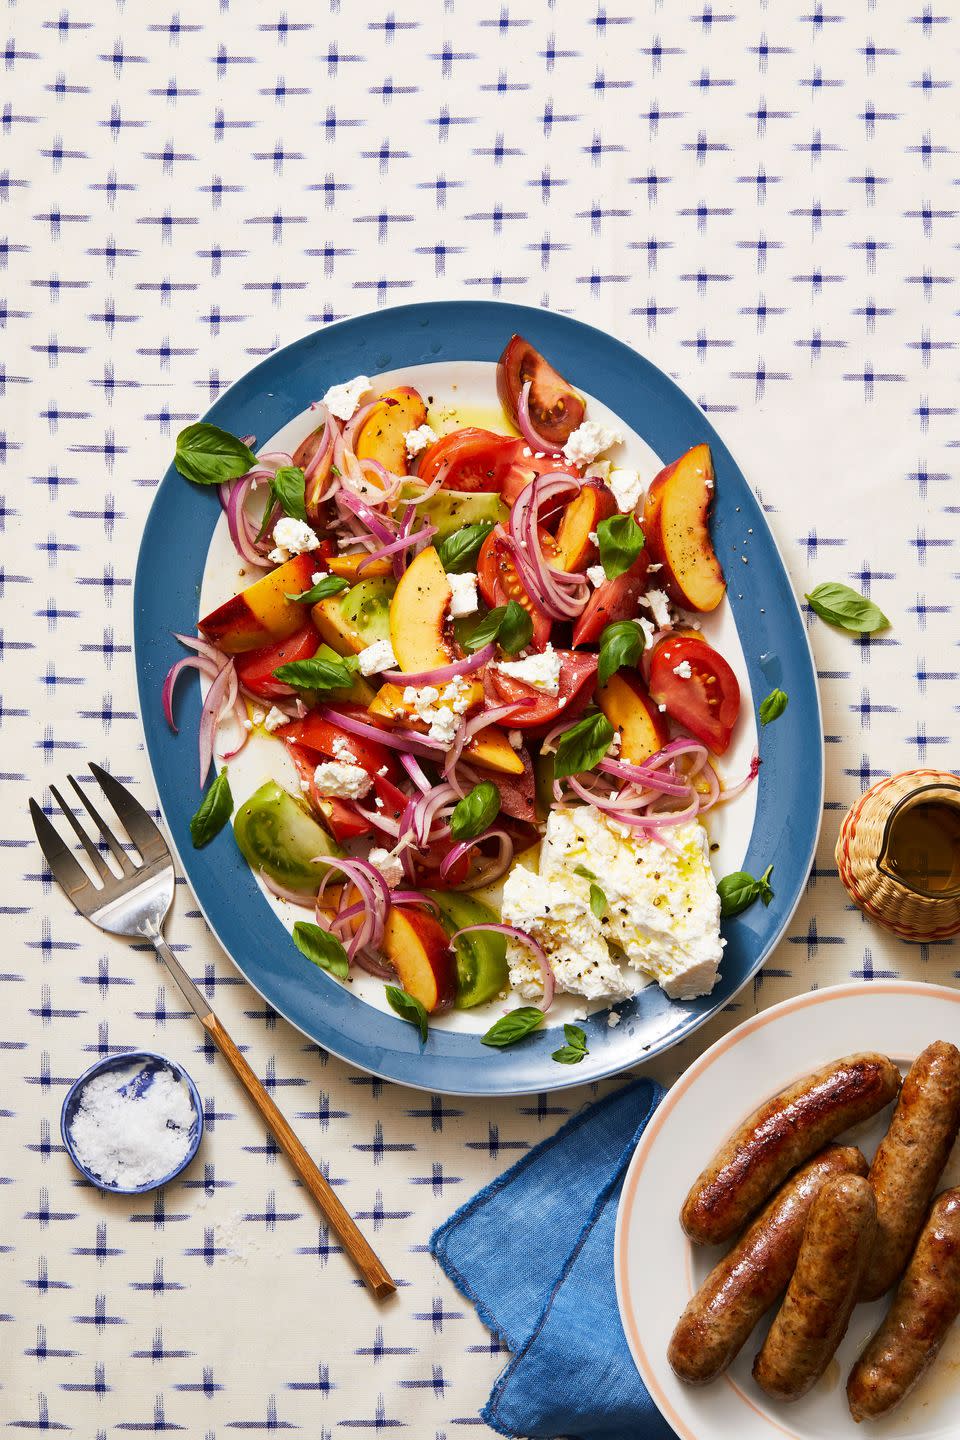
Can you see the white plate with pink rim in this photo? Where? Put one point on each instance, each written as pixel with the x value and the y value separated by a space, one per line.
pixel 658 1269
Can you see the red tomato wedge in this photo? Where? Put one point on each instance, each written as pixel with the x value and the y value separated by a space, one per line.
pixel 499 582
pixel 255 668
pixel 325 738
pixel 577 676
pixel 707 700
pixel 613 600
pixel 344 820
pixel 554 407
pixel 517 792
pixel 526 468
pixel 472 459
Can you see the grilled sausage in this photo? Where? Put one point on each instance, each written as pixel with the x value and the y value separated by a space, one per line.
pixel 816 1309
pixel 926 1305
pixel 743 1286
pixel 910 1161
pixel 781 1135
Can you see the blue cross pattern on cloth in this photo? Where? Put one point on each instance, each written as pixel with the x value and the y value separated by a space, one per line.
pixel 762 198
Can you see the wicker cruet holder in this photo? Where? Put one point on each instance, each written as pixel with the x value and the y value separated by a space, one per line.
pixel 905 907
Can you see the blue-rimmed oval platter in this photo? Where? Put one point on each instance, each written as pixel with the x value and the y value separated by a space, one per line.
pixel 449 351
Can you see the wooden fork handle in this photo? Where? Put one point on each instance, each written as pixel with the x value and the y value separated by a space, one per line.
pixel 366 1261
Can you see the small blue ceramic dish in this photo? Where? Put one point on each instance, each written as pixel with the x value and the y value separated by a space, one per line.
pixel 151 1063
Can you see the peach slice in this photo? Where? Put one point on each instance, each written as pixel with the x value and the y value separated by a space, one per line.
pixel 418 949
pixel 389 704
pixel 676 518
pixel 493 751
pixel 418 613
pixel 626 704
pixel 575 549
pixel 262 612
pixel 381 435
pixel 348 567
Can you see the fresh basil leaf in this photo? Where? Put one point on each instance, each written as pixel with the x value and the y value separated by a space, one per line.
pixel 509 624
pixel 513 1027
pixel 574 1050
pixel 408 1008
pixel 318 673
pixel 215 810
pixel 476 812
pixel 598 902
pixel 839 605
pixel 321 948
pixel 739 890
pixel 329 585
pixel 208 455
pixel 458 551
pixel 620 644
pixel 621 540
pixel 288 488
pixel 583 746
pixel 773 706
pixel 582 870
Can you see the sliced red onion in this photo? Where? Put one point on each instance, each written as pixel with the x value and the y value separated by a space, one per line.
pixel 415 897
pixel 374 966
pixel 384 530
pixel 534 439
pixel 213 706
pixel 403 542
pixel 443 673
pixel 296 897
pixel 416 774
pixel 239 525
pixel 202 647
pixel 488 873
pixel 521 936
pixel 494 713
pixel 732 791
pixel 639 775
pixel 409 741
pixel 189 662
pixel 354 424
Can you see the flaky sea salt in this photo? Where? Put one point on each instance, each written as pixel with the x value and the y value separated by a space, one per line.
pixel 133 1126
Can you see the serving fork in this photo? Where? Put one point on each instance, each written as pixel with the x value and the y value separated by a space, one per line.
pixel 135 904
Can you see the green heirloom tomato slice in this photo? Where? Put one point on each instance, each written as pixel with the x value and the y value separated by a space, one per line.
pixel 481 958
pixel 278 835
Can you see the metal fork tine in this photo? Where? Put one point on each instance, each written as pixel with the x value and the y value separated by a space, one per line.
pixel 99 864
pixel 70 876
pixel 135 820
pixel 107 835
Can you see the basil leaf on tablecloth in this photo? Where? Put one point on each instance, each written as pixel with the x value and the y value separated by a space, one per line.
pixel 215 810
pixel 513 1026
pixel 620 644
pixel 458 551
pixel 583 746
pixel 839 605
pixel 408 1008
pixel 321 948
pixel 773 706
pixel 621 540
pixel 476 812
pixel 208 455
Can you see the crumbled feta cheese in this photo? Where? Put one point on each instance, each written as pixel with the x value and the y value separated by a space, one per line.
pixel 440 711
pixel 627 488
pixel 258 716
pixel 389 865
pixel 593 537
pixel 291 537
pixel 614 1018
pixel 336 778
pixel 588 441
pixel 659 603
pixel 596 575
pixel 457 695
pixel 683 670
pixel 648 630
pixel 615 743
pixel 377 657
pixel 417 440
pixel 542 670
pixel 342 749
pixel 274 718
pixel 463 594
pixel 342 400
pixel 317 576
pixel 516 738
pixel 418 698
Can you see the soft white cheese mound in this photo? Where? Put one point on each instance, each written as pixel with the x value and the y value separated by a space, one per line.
pixel 662 920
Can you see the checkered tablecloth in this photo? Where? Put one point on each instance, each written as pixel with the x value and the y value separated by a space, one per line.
pixel 759 196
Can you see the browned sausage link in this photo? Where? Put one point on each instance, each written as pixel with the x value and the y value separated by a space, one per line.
pixel 926 1305
pixel 816 1309
pixel 781 1135
pixel 744 1285
pixel 910 1161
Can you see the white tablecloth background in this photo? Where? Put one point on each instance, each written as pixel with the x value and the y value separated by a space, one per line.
pixel 760 197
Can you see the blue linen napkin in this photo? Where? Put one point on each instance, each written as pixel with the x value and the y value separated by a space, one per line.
pixel 534 1253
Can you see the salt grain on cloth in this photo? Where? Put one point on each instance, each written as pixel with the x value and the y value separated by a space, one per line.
pixel 131 1133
